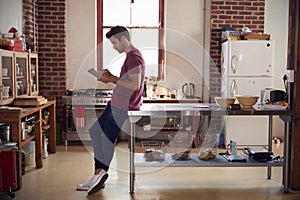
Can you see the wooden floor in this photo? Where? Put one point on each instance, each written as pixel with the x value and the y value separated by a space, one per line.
pixel 74 164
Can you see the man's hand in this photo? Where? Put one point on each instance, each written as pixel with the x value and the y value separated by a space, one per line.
pixel 107 77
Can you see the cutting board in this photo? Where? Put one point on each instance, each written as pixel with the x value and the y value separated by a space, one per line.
pixel 30 101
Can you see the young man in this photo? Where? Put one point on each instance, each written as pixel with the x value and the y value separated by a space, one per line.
pixel 127 95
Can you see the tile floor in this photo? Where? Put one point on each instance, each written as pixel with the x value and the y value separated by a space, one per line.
pixel 71 165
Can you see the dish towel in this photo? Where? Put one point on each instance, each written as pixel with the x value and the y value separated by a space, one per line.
pixel 80 116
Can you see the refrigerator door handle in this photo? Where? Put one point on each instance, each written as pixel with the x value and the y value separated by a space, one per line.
pixel 233 88
pixel 234 63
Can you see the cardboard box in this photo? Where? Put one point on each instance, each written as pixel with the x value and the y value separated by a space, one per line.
pixel 230 35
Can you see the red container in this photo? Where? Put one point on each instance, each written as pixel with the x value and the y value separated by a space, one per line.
pixel 18 46
pixel 8 171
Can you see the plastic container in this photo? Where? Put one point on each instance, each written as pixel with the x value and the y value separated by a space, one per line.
pixel 29 150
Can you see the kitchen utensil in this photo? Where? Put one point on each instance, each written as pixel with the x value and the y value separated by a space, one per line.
pixel 188 90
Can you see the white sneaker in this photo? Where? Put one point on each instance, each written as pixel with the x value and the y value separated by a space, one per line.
pixel 98 182
pixel 85 186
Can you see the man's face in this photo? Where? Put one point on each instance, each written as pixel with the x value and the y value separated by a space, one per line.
pixel 117 44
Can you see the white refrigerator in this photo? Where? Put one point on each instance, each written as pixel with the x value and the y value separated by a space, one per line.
pixel 247 67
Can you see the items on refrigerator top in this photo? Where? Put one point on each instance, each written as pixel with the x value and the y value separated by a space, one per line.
pixel 247 68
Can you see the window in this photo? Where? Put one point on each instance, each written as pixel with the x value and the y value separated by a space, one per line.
pixel 146 32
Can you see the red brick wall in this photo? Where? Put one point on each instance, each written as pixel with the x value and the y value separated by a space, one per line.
pixel 51 22
pixel 50 45
pixel 231 13
pixel 28 17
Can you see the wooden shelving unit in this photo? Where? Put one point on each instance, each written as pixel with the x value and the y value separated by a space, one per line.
pixel 15 116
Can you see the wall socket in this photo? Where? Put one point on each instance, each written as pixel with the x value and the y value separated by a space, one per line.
pixel 290 76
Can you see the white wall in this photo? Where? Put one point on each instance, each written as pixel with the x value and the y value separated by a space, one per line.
pixel 187 44
pixel 11 15
pixel 276 23
pixel 186 26
pixel 81 44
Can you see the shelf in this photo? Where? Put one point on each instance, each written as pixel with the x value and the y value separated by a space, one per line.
pixel 27 140
pixel 6 77
pixel 219 161
pixel 74 136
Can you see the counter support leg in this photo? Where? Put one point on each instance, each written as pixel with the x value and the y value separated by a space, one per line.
pixel 286 157
pixel 270 143
pixel 132 151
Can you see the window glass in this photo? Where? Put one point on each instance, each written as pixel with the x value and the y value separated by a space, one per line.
pixel 144 35
pixel 145 13
pixel 146 40
pixel 116 12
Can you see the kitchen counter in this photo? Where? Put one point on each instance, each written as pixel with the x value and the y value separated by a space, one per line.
pixel 196 109
pixel 171 100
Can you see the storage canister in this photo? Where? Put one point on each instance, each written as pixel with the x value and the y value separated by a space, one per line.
pixel 5 132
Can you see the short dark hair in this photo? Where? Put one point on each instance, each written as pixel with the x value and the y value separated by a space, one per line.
pixel 118 31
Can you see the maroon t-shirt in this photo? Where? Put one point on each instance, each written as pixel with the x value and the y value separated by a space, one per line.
pixel 124 98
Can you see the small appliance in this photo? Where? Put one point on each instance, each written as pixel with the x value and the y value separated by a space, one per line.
pixel 277 95
pixel 188 90
pixel 271 95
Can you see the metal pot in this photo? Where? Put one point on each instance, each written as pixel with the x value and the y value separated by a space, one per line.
pixel 5 132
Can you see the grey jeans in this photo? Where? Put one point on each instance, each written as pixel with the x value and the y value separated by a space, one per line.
pixel 104 133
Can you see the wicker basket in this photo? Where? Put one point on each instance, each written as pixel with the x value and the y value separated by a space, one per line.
pixel 154 150
pixel 254 36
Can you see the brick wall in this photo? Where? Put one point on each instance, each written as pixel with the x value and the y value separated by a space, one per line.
pixel 28 17
pixel 50 42
pixel 231 13
pixel 51 22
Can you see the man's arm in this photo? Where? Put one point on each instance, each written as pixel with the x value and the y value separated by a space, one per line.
pixel 132 83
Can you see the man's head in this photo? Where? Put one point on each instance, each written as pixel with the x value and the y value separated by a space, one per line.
pixel 119 37
pixel 118 32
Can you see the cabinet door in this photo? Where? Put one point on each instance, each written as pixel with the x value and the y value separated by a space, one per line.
pixel 33 74
pixel 22 76
pixel 7 82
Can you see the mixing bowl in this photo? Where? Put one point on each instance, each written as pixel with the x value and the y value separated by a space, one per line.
pixel 247 101
pixel 224 102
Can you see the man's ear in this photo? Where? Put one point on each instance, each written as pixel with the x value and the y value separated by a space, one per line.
pixel 123 38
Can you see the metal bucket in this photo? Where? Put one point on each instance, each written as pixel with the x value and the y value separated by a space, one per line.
pixel 5 132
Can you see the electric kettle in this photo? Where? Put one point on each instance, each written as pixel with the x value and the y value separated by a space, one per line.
pixel 188 90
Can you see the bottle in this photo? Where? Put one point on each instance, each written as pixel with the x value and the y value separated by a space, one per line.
pixel 145 89
pixel 18 69
pixel 233 148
